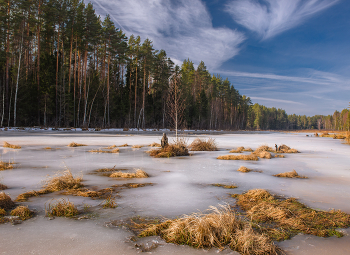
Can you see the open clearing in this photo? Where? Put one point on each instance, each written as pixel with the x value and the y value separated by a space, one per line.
pixel 175 186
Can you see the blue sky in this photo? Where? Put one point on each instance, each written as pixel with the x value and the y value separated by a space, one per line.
pixel 289 54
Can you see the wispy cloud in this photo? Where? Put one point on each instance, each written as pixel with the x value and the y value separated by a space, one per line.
pixel 276 100
pixel 270 17
pixel 182 28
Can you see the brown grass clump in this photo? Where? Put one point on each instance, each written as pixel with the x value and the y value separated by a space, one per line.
pixel 347 139
pixel 22 212
pixel 172 150
pixel 292 174
pixel 241 149
pixel 219 228
pixel 244 169
pixel 203 145
pixel 283 218
pixel 3 187
pixel 109 202
pixel 62 208
pixel 111 147
pixel 239 157
pixel 279 156
pixel 6 202
pixel 264 148
pixel 137 146
pixel 47 148
pixel 5 166
pixel 132 185
pixel 264 154
pixel 124 145
pixel 12 146
pixel 225 186
pixel 73 144
pixel 24 196
pixel 155 145
pixel 286 149
pixel 116 150
pixel 2 213
pixel 139 174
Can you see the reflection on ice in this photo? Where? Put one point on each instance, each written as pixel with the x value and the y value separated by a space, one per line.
pixel 180 186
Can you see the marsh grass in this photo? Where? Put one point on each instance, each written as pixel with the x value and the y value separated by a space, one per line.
pixel 2 213
pixel 263 148
pixel 292 174
pixel 286 149
pixel 138 174
pixel 3 186
pixel 178 148
pixel 219 228
pixel 203 145
pixel 111 147
pixel 5 166
pixel 116 150
pixel 244 169
pixel 73 144
pixel 109 202
pixel 6 202
pixel 239 157
pixel 137 146
pixel 225 186
pixel 22 212
pixel 155 145
pixel 282 218
pixel 264 154
pixel 124 145
pixel 132 185
pixel 47 148
pixel 12 146
pixel 240 150
pixel 62 208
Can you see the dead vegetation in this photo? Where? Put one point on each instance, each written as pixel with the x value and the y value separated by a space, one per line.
pixel 132 185
pixel 6 202
pixel 240 150
pixel 73 144
pixel 3 187
pixel 124 145
pixel 239 157
pixel 137 146
pixel 203 145
pixel 221 227
pixel 155 145
pixel 292 174
pixel 12 146
pixel 62 208
pixel 116 150
pixel 244 169
pixel 22 212
pixel 5 166
pixel 225 186
pixel 282 218
pixel 286 149
pixel 179 148
pixel 111 147
pixel 138 174
pixel 109 202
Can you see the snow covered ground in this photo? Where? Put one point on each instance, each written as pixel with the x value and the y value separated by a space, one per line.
pixel 180 186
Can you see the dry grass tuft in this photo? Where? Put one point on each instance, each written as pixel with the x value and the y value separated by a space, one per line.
pixel 239 157
pixel 132 185
pixel 155 145
pixel 109 202
pixel 12 146
pixel 139 174
pixel 111 147
pixel 116 150
pixel 264 148
pixel 264 154
pixel 292 174
pixel 279 156
pixel 240 150
pixel 22 212
pixel 2 213
pixel 219 228
pixel 73 144
pixel 283 218
pixel 47 148
pixel 3 187
pixel 124 145
pixel 62 208
pixel 244 169
pixel 24 196
pixel 203 145
pixel 225 186
pixel 286 149
pixel 172 150
pixel 6 202
pixel 5 166
pixel 137 146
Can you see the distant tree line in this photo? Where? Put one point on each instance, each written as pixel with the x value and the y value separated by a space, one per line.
pixel 62 66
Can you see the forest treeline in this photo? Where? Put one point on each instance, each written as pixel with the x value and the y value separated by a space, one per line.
pixel 62 66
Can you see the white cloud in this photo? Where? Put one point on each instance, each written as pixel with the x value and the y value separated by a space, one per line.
pixel 182 28
pixel 270 17
pixel 276 100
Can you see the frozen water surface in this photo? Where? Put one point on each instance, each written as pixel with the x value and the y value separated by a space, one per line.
pixel 180 186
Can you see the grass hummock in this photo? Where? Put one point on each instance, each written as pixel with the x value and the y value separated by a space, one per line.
pixel 179 148
pixel 239 157
pixel 22 212
pixel 203 145
pixel 138 174
pixel 137 146
pixel 73 144
pixel 281 218
pixel 5 166
pixel 292 174
pixel 286 149
pixel 219 228
pixel 225 186
pixel 3 186
pixel 62 208
pixel 116 150
pixel 155 145
pixel 244 169
pixel 6 202
pixel 109 202
pixel 240 150
pixel 12 146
